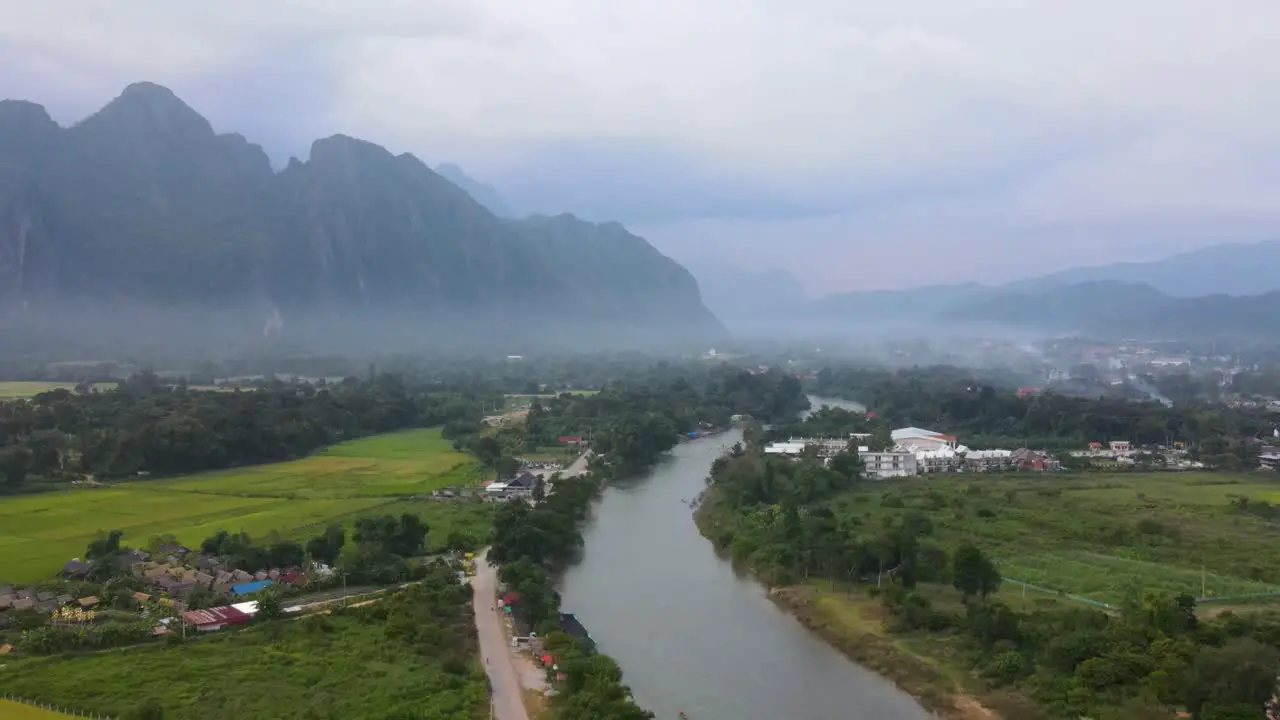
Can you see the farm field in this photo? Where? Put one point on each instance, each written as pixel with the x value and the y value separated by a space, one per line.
pixel 371 476
pixel 15 389
pixel 1099 536
pixel 331 667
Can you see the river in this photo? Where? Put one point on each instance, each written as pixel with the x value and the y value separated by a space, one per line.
pixel 690 633
pixel 816 403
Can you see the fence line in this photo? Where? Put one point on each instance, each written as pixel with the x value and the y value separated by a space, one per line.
pixel 1062 594
pixel 1233 598
pixel 54 708
pixel 1205 600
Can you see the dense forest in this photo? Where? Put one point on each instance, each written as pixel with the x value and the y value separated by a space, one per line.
pixel 983 416
pixel 147 427
pixel 800 521
pixel 629 422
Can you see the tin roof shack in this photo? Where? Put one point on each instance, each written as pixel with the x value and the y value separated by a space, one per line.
pixel 215 618
pixel 251 587
pixel 76 569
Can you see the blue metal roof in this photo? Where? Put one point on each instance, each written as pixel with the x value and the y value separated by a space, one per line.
pixel 250 588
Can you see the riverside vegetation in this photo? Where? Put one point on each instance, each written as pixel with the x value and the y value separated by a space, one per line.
pixel 915 578
pixel 630 425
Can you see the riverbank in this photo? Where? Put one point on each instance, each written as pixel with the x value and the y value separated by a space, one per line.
pixel 856 624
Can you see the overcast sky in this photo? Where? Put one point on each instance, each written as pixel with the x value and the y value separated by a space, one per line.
pixel 861 144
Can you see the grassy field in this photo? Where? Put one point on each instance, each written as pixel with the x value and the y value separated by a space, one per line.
pixel 18 711
pixel 14 389
pixel 1099 536
pixel 371 476
pixel 317 667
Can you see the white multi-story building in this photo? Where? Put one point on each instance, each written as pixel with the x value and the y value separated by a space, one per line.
pixel 880 465
pixel 784 448
pixel 826 446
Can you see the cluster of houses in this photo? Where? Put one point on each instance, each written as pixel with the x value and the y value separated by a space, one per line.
pixel 175 572
pixel 168 579
pixel 46 601
pixel 916 451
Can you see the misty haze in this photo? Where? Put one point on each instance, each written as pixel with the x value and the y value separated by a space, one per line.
pixel 639 360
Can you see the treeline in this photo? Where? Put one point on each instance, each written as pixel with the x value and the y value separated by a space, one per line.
pixel 776 517
pixel 146 426
pixel 628 423
pixel 379 551
pixel 984 416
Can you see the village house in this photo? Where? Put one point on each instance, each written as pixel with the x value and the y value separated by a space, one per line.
pixel 215 618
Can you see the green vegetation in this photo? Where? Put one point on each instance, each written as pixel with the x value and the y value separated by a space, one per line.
pixel 1099 536
pixel 145 427
pixel 361 478
pixel 413 655
pixel 632 421
pixel 17 711
pixel 921 571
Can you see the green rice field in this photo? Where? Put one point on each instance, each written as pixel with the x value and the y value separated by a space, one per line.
pixel 1100 536
pixel 371 476
pixel 16 389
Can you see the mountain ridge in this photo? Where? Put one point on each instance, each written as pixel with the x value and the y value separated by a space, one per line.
pixel 144 203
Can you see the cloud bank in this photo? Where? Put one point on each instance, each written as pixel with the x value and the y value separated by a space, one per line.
pixel 861 144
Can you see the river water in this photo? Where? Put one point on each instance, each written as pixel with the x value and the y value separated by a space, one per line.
pixel 690 633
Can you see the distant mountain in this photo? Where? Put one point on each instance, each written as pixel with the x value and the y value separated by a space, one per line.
pixel 1225 290
pixel 481 192
pixel 142 222
pixel 1229 269
pixel 1115 309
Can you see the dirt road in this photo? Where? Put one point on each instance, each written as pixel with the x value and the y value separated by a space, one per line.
pixel 507 702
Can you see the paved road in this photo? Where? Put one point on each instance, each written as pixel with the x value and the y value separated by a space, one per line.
pixel 577 467
pixel 508 704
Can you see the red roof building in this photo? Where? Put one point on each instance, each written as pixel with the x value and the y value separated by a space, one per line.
pixel 569 439
pixel 214 618
pixel 1028 391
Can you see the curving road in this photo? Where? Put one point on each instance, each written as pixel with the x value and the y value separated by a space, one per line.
pixel 507 703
